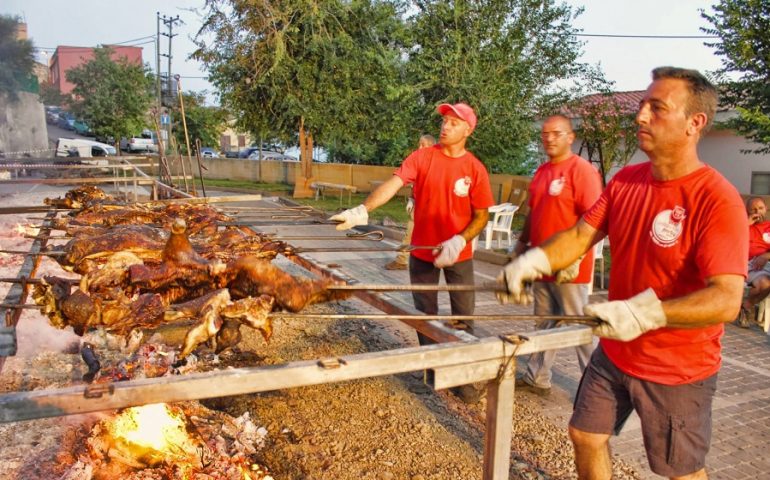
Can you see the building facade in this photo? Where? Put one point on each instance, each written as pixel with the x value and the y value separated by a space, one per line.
pixel 67 57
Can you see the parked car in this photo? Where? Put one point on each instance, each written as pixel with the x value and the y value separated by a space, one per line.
pixel 272 156
pixel 79 147
pixel 208 152
pixel 66 121
pixel 82 128
pixel 139 144
pixel 52 114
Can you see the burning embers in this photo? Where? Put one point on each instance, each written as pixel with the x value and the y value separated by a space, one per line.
pixel 162 441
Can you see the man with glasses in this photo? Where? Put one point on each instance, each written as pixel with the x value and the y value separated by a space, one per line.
pixel 561 191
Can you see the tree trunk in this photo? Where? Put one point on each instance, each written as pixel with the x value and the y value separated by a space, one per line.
pixel 303 173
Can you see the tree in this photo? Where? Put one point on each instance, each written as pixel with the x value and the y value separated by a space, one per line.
pixel 50 95
pixel 205 123
pixel 113 97
pixel 607 128
pixel 17 61
pixel 306 70
pixel 500 56
pixel 744 46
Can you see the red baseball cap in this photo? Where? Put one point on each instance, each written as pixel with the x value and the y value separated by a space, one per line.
pixel 462 111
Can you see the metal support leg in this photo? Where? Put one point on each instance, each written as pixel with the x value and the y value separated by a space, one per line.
pixel 497 437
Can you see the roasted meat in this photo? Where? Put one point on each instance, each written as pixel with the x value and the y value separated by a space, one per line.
pixel 79 197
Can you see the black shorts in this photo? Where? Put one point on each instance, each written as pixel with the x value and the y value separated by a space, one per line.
pixel 676 420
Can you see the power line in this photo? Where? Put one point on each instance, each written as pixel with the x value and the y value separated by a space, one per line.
pixel 663 37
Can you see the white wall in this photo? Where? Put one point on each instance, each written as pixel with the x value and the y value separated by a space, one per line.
pixel 22 125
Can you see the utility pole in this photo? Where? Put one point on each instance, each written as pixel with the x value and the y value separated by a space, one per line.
pixel 157 62
pixel 169 92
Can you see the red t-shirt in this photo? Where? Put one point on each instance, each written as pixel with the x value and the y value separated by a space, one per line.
pixel 670 236
pixel 559 194
pixel 759 239
pixel 446 191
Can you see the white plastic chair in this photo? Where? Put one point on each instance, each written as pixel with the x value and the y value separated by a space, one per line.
pixel 598 257
pixel 500 223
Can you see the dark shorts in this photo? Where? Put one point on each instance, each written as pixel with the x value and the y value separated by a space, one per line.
pixel 676 420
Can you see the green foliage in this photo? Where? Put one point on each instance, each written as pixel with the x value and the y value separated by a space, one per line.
pixel 366 75
pixel 330 63
pixel 50 95
pixel 17 61
pixel 499 56
pixel 203 122
pixel 113 97
pixel 742 26
pixel 607 127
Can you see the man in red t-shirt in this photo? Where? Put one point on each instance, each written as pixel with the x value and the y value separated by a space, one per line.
pixel 451 193
pixel 758 279
pixel 561 191
pixel 679 238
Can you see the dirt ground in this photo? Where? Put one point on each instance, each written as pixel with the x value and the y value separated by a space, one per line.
pixel 380 428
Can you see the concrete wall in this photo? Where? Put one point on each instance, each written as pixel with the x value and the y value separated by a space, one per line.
pixel 22 126
pixel 364 177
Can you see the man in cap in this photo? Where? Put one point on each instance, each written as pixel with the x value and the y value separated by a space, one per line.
pixel 452 194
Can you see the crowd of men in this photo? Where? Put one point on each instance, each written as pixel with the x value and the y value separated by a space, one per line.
pixel 679 235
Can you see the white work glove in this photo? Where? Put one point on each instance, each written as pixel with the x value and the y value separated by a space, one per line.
pixel 351 217
pixel 527 267
pixel 569 273
pixel 450 250
pixel 410 205
pixel 627 319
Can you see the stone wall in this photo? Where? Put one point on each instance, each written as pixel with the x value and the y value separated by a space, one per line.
pixel 22 126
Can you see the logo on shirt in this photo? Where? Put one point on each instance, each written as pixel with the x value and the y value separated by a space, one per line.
pixel 766 237
pixel 556 186
pixel 667 226
pixel 462 186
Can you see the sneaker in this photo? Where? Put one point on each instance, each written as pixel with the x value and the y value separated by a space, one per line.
pixel 394 265
pixel 522 384
pixel 469 394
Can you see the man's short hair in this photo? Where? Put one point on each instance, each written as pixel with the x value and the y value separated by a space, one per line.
pixel 564 118
pixel 703 94
pixel 751 199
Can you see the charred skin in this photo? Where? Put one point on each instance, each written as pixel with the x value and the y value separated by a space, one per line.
pixel 252 277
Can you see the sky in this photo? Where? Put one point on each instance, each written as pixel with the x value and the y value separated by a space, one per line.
pixel 625 61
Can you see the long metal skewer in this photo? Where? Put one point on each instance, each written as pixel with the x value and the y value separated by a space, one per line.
pixel 374 236
pixel 485 287
pixel 576 319
pixel 583 320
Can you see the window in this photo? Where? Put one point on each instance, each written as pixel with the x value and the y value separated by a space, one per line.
pixel 760 183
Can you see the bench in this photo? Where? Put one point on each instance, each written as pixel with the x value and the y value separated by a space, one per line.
pixel 321 187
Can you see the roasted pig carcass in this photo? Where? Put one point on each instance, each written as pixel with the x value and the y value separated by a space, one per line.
pixel 79 197
pixel 215 310
pixel 84 253
pixel 199 218
pixel 251 277
pixel 119 314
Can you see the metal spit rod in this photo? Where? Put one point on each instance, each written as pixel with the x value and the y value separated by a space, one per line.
pixel 576 319
pixel 288 250
pixel 374 236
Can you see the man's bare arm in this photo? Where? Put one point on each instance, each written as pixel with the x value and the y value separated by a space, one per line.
pixel 565 247
pixel 476 225
pixel 718 302
pixel 382 194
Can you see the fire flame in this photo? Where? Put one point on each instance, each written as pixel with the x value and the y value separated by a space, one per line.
pixel 153 434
